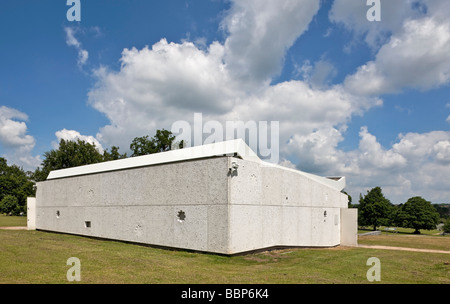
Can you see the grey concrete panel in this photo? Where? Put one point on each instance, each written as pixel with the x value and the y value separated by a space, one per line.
pixel 197 204
pixel 349 227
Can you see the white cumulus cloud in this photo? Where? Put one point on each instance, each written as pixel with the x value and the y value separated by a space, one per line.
pixel 353 16
pixel 260 32
pixel 15 141
pixel 158 85
pixel 72 135
pixel 417 57
pixel 417 164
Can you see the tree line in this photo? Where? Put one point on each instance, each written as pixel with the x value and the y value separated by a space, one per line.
pixel 15 186
pixel 375 210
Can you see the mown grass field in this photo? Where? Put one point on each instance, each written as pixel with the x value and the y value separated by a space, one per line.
pixel 34 257
pixel 11 221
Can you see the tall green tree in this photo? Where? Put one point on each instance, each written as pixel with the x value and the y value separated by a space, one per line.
pixel 113 155
pixel 10 205
pixel 418 213
pixel 349 205
pixel 69 154
pixel 446 227
pixel 161 142
pixel 142 146
pixel 396 215
pixel 374 209
pixel 443 210
pixel 15 187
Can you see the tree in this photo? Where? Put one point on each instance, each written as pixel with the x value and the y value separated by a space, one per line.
pixel 418 213
pixel 113 155
pixel 79 153
pixel 69 154
pixel 349 205
pixel 446 227
pixel 73 154
pixel 14 183
pixel 10 205
pixel 374 209
pixel 396 215
pixel 142 146
pixel 161 142
pixel 443 210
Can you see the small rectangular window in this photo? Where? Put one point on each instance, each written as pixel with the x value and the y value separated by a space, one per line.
pixel 87 224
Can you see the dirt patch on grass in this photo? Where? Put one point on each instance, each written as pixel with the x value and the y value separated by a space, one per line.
pixel 269 256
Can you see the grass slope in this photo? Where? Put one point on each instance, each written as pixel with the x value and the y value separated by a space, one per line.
pixel 40 257
pixel 12 221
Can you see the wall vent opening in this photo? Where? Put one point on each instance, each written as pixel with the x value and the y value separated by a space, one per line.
pixel 87 224
pixel 181 216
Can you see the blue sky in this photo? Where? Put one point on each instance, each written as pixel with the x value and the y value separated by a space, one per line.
pixel 367 100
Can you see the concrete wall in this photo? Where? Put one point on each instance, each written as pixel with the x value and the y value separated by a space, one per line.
pixel 270 206
pixel 197 204
pixel 142 205
pixel 349 227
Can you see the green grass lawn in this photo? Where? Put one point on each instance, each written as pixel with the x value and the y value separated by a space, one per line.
pixel 12 221
pixel 40 257
pixel 408 241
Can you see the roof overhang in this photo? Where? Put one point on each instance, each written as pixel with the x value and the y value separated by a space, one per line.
pixel 337 183
pixel 236 148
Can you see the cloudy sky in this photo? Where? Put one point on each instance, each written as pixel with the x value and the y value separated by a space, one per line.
pixel 365 100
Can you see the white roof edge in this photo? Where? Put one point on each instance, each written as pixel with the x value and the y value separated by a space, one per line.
pixel 231 147
pixel 337 183
pixel 237 146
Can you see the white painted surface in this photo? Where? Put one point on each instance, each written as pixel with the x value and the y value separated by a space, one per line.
pixel 31 213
